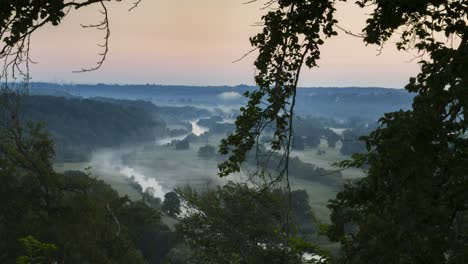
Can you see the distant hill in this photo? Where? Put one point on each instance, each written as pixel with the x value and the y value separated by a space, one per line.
pixel 79 126
pixel 338 103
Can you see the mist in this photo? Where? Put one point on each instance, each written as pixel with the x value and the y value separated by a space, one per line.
pixel 110 161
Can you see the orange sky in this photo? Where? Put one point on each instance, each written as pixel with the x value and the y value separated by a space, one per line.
pixel 194 43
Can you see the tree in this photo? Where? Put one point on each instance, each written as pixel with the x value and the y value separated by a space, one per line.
pixel 299 143
pixel 352 143
pixel 36 251
pixel 302 212
pixel 207 152
pixel 182 145
pixel 411 199
pixel 291 36
pixel 238 224
pixel 50 217
pixel 332 138
pixel 20 19
pixel 312 141
pixel 416 184
pixel 149 198
pixel 171 204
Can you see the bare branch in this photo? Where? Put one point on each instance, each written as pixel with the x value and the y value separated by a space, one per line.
pixel 103 25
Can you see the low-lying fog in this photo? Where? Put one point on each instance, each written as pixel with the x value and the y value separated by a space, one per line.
pixel 161 166
pixel 158 165
pixel 110 162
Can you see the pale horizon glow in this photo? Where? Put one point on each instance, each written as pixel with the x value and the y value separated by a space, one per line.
pixel 182 42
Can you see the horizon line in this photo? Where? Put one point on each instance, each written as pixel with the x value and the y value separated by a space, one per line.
pixel 203 86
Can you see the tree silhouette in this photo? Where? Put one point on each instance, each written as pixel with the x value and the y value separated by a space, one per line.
pixel 171 204
pixel 412 196
pixel 20 19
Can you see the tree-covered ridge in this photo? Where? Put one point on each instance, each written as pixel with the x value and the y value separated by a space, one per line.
pixel 330 102
pixel 79 126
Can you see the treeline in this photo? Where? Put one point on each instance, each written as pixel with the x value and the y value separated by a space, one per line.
pixel 370 102
pixel 48 217
pixel 271 161
pixel 309 132
pixel 79 126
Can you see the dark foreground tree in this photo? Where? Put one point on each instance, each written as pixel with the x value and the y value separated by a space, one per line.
pixel 171 204
pixel 411 206
pixel 49 217
pixel 413 199
pixel 20 19
pixel 239 224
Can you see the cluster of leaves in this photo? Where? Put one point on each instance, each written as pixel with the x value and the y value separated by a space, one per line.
pixel 413 199
pixel 36 251
pixel 415 193
pixel 171 204
pixel 291 36
pixel 70 217
pixel 239 224
pixel 20 19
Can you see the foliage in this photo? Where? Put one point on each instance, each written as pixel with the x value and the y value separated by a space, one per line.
pixel 300 206
pixel 148 196
pixel 332 138
pixel 238 224
pixel 83 217
pixel 92 123
pixel 414 196
pixel 19 18
pixel 182 145
pixel 352 142
pixel 171 204
pixel 180 254
pixel 416 184
pixel 152 238
pixel 291 35
pixel 36 251
pixel 207 152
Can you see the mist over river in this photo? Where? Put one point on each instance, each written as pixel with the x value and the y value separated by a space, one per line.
pixel 114 161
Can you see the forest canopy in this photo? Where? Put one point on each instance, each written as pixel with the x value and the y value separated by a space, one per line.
pixel 413 199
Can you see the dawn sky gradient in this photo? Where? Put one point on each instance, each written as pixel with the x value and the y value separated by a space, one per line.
pixel 195 42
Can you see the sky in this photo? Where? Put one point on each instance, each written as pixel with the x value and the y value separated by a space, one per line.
pixel 187 42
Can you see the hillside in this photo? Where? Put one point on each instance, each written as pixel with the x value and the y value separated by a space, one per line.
pixel 331 102
pixel 79 126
